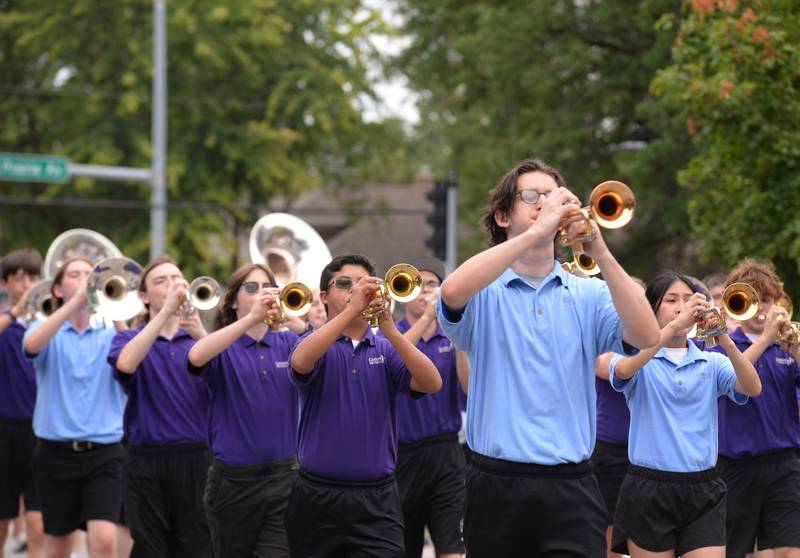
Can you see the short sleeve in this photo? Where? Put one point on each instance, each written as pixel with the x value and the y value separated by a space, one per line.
pixel 118 342
pixel 41 356
pixel 726 378
pixel 623 386
pixel 208 371
pixel 459 325
pixel 301 381
pixel 609 327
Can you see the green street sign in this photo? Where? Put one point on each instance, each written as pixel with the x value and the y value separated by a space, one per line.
pixel 33 168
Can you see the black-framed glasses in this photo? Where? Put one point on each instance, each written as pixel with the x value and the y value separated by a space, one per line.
pixel 251 287
pixel 531 196
pixel 342 283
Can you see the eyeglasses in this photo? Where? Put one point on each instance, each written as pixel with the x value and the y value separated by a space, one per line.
pixel 531 196
pixel 342 283
pixel 251 287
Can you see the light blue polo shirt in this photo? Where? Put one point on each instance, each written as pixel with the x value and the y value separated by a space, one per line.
pixel 674 409
pixel 532 350
pixel 77 397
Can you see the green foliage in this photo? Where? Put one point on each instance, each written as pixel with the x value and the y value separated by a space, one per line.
pixel 734 84
pixel 263 100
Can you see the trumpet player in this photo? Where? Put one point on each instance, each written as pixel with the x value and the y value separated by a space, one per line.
pixel 345 501
pixel 672 501
pixel 430 461
pixel 532 333
pixel 77 419
pixel 19 271
pixel 759 443
pixel 252 419
pixel 165 420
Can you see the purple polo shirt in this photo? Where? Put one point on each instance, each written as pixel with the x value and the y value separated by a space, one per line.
pixel 438 413
pixel 348 422
pixel 613 416
pixel 254 413
pixel 165 406
pixel 770 422
pixel 17 377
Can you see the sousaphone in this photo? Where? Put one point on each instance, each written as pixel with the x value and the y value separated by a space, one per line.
pixel 75 243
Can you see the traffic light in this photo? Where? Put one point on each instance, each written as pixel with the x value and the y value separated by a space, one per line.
pixel 437 219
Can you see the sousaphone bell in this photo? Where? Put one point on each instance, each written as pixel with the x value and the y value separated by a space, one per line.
pixel 113 289
pixel 40 302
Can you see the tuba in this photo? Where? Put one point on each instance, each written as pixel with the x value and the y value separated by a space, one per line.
pixel 611 204
pixel 113 289
pixel 403 283
pixel 40 302
pixel 739 301
pixel 289 247
pixel 73 243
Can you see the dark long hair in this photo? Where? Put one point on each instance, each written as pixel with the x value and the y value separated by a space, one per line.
pixel 658 287
pixel 227 313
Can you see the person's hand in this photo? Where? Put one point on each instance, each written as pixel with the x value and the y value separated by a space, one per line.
pixel 386 324
pixel 597 247
pixel 192 325
pixel 560 210
pixel 81 295
pixel 19 308
pixel 265 307
pixel 431 300
pixel 363 294
pixel 690 313
pixel 177 296
pixel 775 320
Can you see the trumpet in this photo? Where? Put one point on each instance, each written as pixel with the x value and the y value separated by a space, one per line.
pixel 294 300
pixel 403 283
pixel 611 205
pixel 40 302
pixel 112 289
pixel 789 332
pixel 739 301
pixel 204 293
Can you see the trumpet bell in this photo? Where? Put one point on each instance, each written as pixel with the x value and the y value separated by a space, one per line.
pixel 113 289
pixel 612 204
pixel 586 264
pixel 740 301
pixel 403 282
pixel 296 299
pixel 205 293
pixel 40 302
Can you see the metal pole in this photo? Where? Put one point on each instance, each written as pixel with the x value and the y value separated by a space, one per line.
pixel 452 222
pixel 158 200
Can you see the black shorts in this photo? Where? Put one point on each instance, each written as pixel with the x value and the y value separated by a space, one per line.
pixel 430 476
pixel 610 465
pixel 77 486
pixel 164 500
pixel 520 509
pixel 660 511
pixel 246 507
pixel 16 473
pixel 763 501
pixel 339 518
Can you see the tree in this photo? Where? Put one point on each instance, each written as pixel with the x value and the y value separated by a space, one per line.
pixel 733 84
pixel 264 101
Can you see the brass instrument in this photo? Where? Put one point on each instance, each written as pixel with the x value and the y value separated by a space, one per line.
pixel 295 300
pixel 40 302
pixel 204 293
pixel 739 301
pixel 611 205
pixel 73 243
pixel 112 289
pixel 403 283
pixel 789 332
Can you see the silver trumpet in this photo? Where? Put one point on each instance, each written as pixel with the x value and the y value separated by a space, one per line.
pixel 40 302
pixel 113 289
pixel 204 294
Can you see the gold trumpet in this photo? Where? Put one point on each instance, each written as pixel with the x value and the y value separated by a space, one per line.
pixel 739 301
pixel 204 293
pixel 611 205
pixel 403 283
pixel 789 332
pixel 295 299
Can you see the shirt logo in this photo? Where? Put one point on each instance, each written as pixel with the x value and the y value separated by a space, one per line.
pixel 281 364
pixel 786 361
pixel 702 375
pixel 376 360
pixel 446 348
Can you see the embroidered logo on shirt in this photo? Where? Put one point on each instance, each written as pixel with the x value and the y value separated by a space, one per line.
pixel 446 348
pixel 703 375
pixel 786 361
pixel 281 364
pixel 376 360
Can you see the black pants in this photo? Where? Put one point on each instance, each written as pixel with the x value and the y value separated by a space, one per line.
pixel 164 501
pixel 246 506
pixel 341 519
pixel 16 471
pixel 430 475
pixel 520 509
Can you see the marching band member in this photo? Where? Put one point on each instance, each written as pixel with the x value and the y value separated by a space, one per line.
pixel 672 501
pixel 759 444
pixel 430 461
pixel 532 332
pixel 165 421
pixel 19 271
pixel 78 419
pixel 252 420
pixel 346 501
